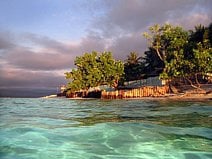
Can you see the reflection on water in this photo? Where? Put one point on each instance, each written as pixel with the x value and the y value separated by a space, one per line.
pixel 104 129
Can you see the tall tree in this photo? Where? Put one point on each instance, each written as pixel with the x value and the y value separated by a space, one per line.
pixel 166 39
pixel 202 62
pixel 133 58
pixel 168 43
pixel 210 34
pixel 133 67
pixel 153 65
pixel 199 49
pixel 184 55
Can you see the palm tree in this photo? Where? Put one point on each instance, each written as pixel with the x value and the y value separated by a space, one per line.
pixel 133 67
pixel 133 58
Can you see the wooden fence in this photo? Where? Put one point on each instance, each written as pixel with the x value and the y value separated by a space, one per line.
pixel 146 91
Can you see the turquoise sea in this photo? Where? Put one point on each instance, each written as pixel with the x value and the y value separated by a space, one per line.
pixel 35 128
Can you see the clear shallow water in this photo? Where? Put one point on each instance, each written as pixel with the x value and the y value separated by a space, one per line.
pixel 104 129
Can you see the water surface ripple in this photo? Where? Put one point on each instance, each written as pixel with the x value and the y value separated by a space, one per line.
pixel 104 129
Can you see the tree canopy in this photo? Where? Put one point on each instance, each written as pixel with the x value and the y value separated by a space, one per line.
pixel 173 53
pixel 93 69
pixel 133 67
pixel 185 54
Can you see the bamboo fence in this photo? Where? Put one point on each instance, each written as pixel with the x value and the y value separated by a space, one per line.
pixel 146 91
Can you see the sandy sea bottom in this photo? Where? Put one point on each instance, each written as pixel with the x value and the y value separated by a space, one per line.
pixel 104 129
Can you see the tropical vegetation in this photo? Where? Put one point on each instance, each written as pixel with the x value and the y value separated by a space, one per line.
pixel 174 54
pixel 186 55
pixel 94 69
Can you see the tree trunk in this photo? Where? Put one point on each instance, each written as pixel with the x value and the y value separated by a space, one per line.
pixel 192 85
pixel 196 79
pixel 159 55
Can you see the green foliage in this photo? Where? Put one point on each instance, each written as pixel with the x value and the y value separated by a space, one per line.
pixel 94 70
pixel 210 34
pixel 111 70
pixel 173 53
pixel 166 39
pixel 153 65
pixel 202 60
pixel 168 43
pixel 133 58
pixel 133 67
pixel 185 54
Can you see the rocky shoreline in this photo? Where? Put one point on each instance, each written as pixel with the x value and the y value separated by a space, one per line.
pixel 172 97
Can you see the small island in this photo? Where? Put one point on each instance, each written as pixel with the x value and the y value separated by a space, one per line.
pixel 177 65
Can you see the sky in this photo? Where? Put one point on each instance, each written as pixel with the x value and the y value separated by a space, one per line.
pixel 39 39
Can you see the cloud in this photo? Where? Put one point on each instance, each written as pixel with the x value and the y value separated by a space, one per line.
pixel 192 20
pixel 6 41
pixel 12 77
pixel 38 62
pixel 46 42
pixel 122 46
pixel 127 16
pixel 28 59
pixel 42 53
pixel 91 43
pixel 122 26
